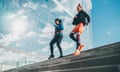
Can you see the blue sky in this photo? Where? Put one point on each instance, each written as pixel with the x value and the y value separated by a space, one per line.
pixel 105 22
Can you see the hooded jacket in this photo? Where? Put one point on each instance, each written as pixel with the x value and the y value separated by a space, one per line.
pixel 83 17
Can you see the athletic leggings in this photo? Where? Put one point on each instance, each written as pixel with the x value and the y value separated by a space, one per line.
pixel 75 38
pixel 75 34
pixel 57 39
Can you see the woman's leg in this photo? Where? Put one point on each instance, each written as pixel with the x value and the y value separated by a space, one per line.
pixel 78 40
pixel 80 28
pixel 73 33
pixel 59 45
pixel 72 36
pixel 51 47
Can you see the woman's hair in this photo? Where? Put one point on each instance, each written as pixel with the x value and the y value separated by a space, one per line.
pixel 79 5
pixel 57 19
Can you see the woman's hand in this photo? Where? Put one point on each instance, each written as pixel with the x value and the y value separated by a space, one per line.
pixel 75 17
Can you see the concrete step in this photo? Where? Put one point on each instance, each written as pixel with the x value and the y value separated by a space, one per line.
pixel 85 54
pixel 105 60
pixel 66 60
pixel 100 59
pixel 105 68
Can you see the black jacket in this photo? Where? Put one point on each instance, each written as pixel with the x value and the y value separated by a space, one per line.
pixel 81 17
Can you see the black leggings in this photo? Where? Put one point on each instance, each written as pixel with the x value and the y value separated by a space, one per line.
pixel 57 39
pixel 75 38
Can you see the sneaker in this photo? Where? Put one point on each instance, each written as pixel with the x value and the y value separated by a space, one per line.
pixel 80 47
pixel 60 56
pixel 76 53
pixel 50 57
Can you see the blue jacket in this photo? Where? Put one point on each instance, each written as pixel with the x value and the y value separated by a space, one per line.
pixel 58 28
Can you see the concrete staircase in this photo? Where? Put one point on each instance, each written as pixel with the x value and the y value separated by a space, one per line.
pixel 101 59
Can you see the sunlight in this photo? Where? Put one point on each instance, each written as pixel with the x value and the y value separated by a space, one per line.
pixel 18 26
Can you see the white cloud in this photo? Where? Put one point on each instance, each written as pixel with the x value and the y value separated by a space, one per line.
pixel 8 39
pixel 57 9
pixel 42 42
pixel 11 16
pixel 30 5
pixel 44 33
pixel 10 56
pixel 19 44
pixel 31 34
pixel 66 20
pixel 16 3
pixel 48 28
pixel 44 5
pixel 6 67
pixel 47 31
pixel 45 49
pixel 87 5
pixel 34 53
pixel 18 26
pixel 24 17
pixel 67 45
pixel 20 12
pixel 61 8
pixel 64 1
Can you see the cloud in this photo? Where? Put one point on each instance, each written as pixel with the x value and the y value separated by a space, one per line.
pixel 57 9
pixel 47 31
pixel 8 39
pixel 64 1
pixel 30 5
pixel 45 49
pixel 44 6
pixel 87 5
pixel 11 16
pixel 67 45
pixel 48 28
pixel 31 34
pixel 20 12
pixel 10 56
pixel 6 67
pixel 61 8
pixel 42 42
pixel 18 26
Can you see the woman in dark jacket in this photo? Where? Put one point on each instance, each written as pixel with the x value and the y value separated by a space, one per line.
pixel 80 20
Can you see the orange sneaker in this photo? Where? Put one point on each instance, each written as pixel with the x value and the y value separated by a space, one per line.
pixel 77 52
pixel 80 47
